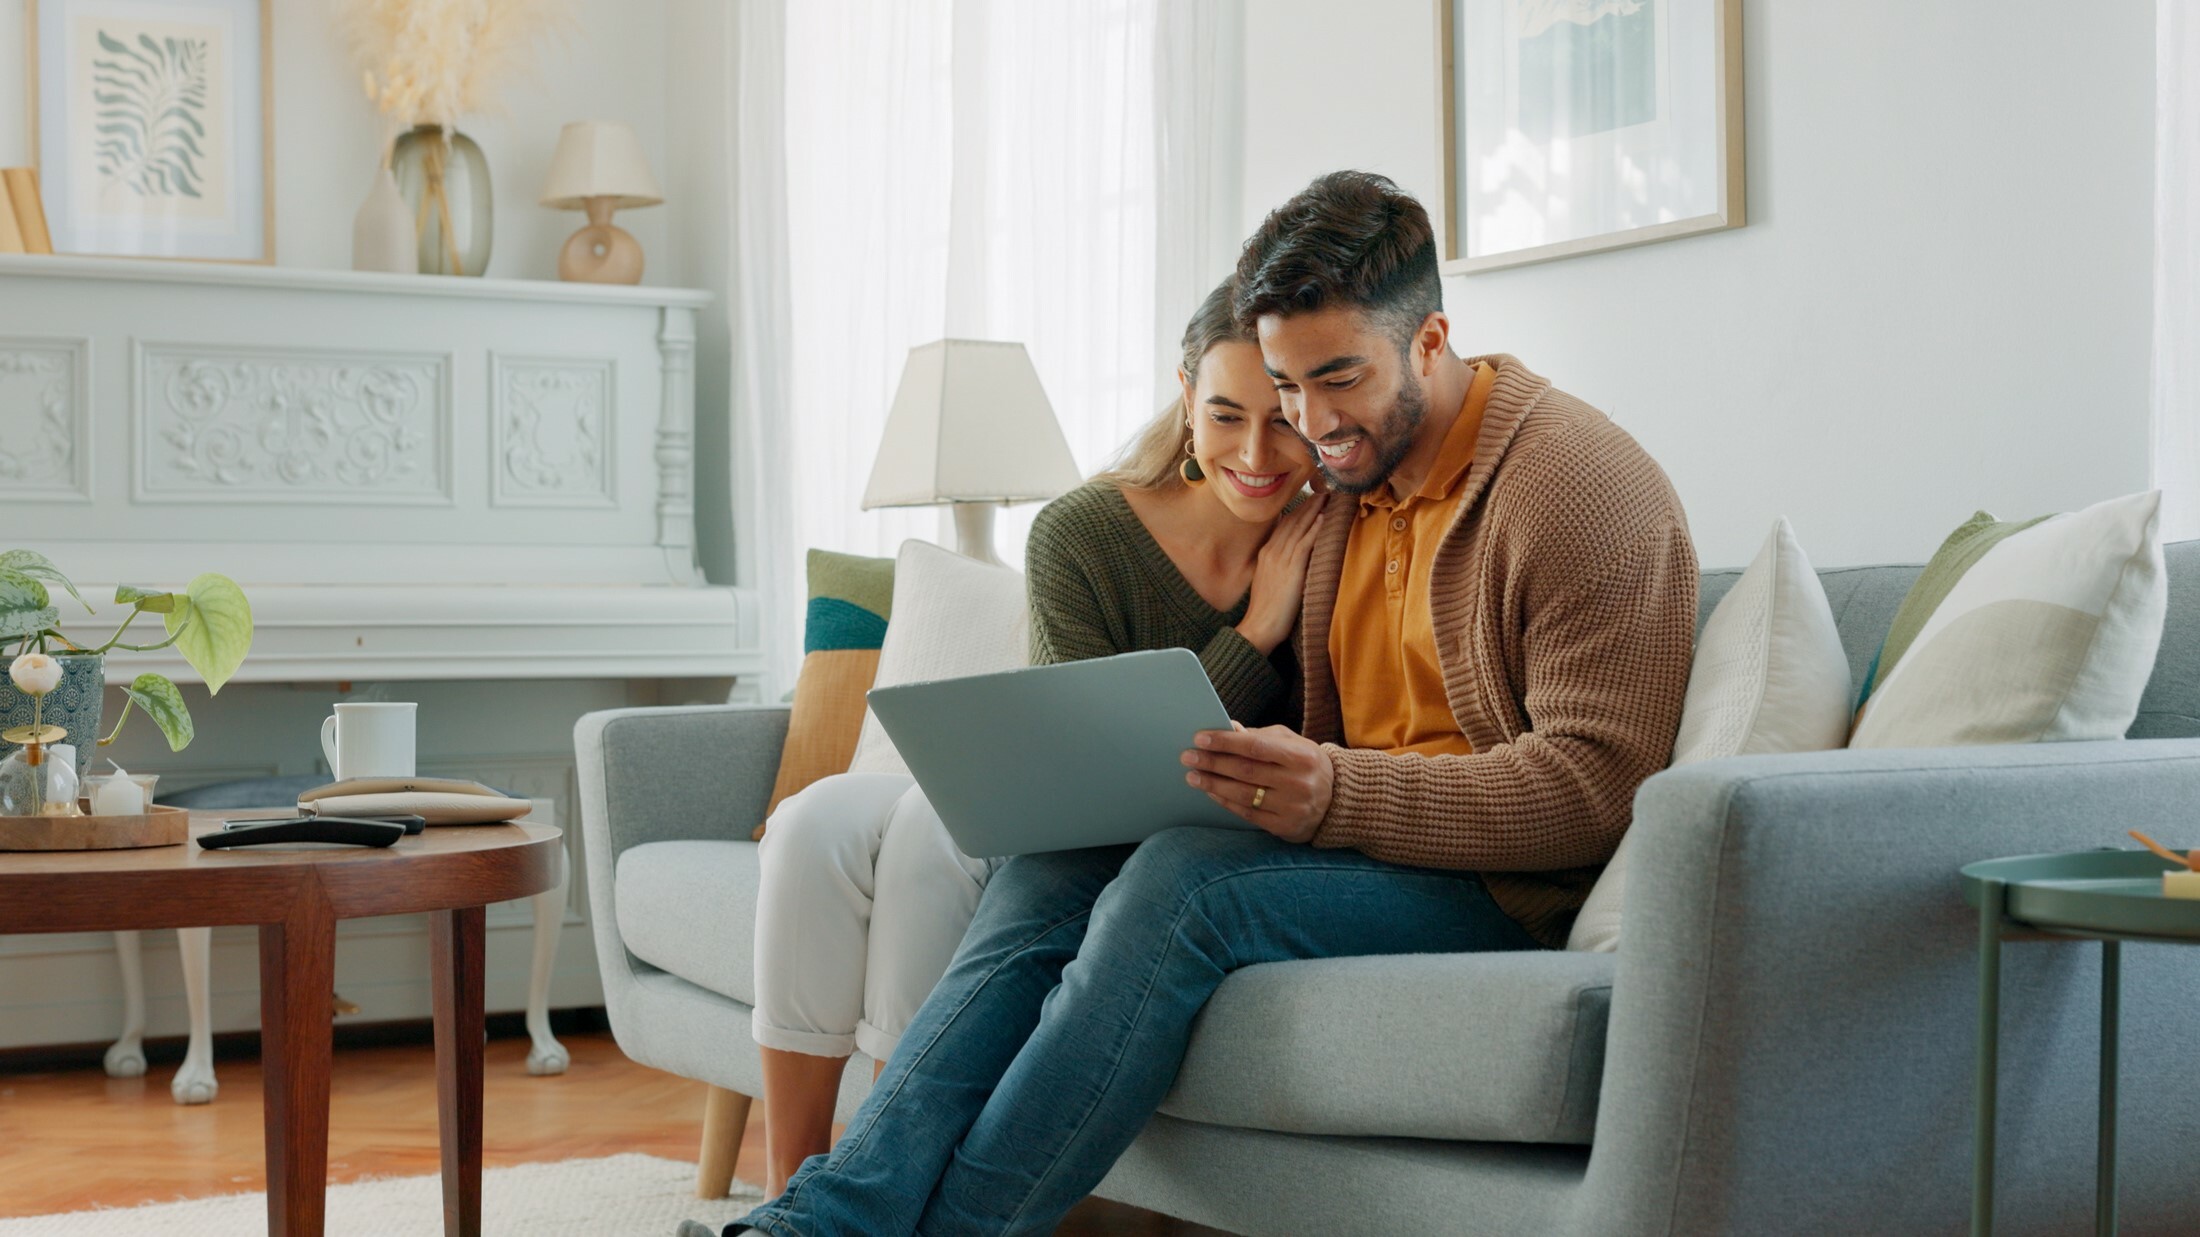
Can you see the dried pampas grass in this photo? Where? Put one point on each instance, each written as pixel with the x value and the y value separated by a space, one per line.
pixel 432 61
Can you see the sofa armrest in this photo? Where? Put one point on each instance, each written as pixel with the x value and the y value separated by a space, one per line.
pixel 675 774
pixel 1794 1012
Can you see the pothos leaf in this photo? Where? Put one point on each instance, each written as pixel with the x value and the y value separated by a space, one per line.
pixel 25 607
pixel 164 704
pixel 16 624
pixel 212 627
pixel 145 599
pixel 38 567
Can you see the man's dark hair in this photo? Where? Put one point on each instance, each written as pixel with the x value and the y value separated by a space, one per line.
pixel 1349 238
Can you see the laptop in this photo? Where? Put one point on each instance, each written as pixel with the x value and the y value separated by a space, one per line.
pixel 1082 753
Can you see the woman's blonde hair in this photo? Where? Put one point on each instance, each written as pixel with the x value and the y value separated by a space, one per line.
pixel 1153 459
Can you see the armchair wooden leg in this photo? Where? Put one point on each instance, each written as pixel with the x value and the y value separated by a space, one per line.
pixel 725 1120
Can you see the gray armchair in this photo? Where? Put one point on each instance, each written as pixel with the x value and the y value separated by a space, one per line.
pixel 1783 1044
pixel 668 799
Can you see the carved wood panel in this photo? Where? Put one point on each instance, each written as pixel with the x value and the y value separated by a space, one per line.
pixel 554 425
pixel 45 419
pixel 218 424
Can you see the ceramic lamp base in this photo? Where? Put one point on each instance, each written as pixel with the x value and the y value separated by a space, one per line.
pixel 974 532
pixel 601 252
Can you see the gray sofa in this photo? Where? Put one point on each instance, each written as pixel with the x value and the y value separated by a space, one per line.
pixel 1783 1043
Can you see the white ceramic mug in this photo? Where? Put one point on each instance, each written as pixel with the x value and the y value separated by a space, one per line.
pixel 369 740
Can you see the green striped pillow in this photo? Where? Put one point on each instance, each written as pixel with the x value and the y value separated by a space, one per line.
pixel 851 597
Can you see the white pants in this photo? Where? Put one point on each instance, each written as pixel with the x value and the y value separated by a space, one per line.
pixel 864 899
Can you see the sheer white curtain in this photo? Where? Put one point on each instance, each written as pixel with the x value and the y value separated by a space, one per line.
pixel 994 169
pixel 2177 267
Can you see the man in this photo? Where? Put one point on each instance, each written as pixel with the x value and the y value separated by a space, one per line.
pixel 1495 641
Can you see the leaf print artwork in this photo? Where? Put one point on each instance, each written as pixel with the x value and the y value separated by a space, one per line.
pixel 150 122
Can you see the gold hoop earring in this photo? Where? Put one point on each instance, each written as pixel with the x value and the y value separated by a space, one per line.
pixel 1190 469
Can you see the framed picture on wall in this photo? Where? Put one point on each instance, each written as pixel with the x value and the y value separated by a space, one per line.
pixel 1572 126
pixel 151 125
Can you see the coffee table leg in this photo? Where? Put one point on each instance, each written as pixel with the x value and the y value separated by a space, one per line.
pixel 2104 1203
pixel 1992 898
pixel 457 938
pixel 297 975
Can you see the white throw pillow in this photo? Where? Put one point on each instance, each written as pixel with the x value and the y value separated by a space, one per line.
pixel 953 617
pixel 1769 676
pixel 2035 632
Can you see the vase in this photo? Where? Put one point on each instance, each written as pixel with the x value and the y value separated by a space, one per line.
pixel 444 180
pixel 382 233
pixel 39 783
pixel 73 706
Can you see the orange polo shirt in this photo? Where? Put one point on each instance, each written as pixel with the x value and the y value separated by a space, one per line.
pixel 1382 643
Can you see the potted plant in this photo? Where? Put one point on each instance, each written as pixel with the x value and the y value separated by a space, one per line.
pixel 208 622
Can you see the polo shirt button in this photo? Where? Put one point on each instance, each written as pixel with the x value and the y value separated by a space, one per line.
pixel 1393 569
pixel 1399 524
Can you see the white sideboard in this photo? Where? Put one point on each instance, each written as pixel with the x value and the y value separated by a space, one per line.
pixel 475 493
pixel 382 459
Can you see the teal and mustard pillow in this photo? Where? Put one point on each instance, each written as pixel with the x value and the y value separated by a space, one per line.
pixel 2023 632
pixel 851 597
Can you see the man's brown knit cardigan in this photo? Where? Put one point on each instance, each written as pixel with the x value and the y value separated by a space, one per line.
pixel 1564 601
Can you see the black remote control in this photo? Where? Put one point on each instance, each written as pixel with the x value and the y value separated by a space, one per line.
pixel 341 829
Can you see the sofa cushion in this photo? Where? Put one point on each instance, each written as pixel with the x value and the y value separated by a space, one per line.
pixel 690 908
pixel 953 616
pixel 2041 631
pixel 1769 676
pixel 1505 1047
pixel 851 598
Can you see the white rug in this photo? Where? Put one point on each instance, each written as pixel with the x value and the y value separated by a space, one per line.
pixel 621 1196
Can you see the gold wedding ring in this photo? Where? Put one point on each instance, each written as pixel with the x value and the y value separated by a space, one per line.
pixel 1259 793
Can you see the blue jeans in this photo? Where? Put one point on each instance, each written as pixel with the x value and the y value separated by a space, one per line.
pixel 1061 1024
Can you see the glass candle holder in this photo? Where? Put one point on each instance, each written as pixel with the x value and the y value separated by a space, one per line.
pixel 120 794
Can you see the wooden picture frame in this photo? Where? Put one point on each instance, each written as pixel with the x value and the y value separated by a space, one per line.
pixel 203 195
pixel 1650 117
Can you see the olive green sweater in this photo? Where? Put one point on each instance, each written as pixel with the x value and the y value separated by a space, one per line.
pixel 1101 585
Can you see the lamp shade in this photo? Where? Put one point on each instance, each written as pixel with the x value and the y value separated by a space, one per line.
pixel 599 159
pixel 970 423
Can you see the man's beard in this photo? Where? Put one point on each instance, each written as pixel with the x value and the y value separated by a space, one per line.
pixel 1392 443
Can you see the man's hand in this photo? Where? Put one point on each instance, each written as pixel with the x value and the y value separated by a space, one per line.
pixel 1286 774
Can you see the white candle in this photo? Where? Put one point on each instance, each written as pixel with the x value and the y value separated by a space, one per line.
pixel 118 796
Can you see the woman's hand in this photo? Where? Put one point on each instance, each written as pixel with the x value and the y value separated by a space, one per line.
pixel 1279 577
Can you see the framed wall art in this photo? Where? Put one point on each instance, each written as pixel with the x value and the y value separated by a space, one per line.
pixel 1572 126
pixel 152 126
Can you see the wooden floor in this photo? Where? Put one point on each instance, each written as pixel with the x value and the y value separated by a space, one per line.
pixel 73 1139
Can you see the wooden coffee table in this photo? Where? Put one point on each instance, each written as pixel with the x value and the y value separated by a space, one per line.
pixel 295 898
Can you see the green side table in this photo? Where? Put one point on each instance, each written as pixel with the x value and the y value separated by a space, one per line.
pixel 2110 896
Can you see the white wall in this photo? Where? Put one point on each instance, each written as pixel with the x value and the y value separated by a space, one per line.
pixel 1941 302
pixel 612 67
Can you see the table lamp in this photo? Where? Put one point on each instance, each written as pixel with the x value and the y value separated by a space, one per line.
pixel 971 426
pixel 599 168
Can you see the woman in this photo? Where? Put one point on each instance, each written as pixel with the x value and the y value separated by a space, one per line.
pixel 1184 544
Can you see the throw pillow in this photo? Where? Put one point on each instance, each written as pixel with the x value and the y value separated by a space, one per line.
pixel 953 616
pixel 1769 676
pixel 2032 632
pixel 850 600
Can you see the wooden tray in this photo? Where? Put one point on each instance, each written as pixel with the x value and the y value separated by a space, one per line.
pixel 163 826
